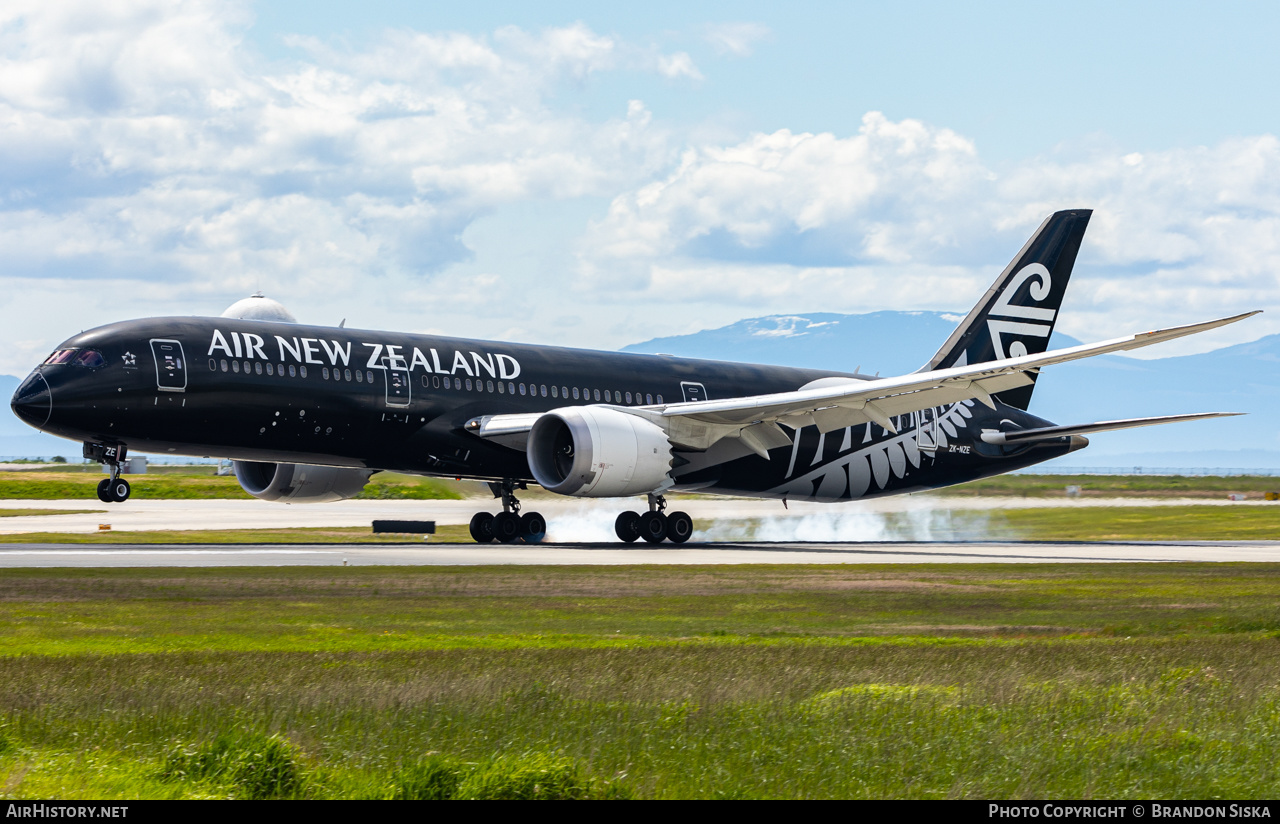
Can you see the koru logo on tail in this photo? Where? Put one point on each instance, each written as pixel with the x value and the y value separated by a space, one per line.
pixel 1033 321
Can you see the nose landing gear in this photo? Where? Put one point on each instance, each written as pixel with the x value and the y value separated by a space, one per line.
pixel 654 526
pixel 508 526
pixel 115 489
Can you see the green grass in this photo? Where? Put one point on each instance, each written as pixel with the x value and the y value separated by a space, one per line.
pixel 1106 486
pixel 74 482
pixel 929 681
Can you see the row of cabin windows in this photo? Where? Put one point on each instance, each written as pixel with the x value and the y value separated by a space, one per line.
pixel 511 388
pixel 257 367
pixel 434 381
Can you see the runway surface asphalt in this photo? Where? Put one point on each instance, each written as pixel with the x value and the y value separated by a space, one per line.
pixel 888 552
pixel 581 532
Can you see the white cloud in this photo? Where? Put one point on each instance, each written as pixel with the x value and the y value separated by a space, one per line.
pixel 147 151
pixel 144 135
pixel 738 39
pixel 904 215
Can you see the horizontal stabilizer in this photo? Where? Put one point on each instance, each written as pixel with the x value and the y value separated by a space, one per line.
pixel 1051 432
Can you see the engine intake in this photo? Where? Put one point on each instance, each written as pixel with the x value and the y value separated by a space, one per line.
pixel 300 483
pixel 593 452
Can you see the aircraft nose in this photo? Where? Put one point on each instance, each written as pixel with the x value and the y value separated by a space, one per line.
pixel 33 401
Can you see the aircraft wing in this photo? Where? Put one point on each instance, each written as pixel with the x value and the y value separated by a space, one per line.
pixel 854 402
pixel 840 403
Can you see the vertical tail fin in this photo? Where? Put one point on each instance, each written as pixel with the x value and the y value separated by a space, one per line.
pixel 1017 314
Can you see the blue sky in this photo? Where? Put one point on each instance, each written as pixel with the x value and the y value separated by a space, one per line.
pixel 599 174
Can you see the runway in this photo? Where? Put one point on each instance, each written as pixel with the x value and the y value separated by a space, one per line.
pixel 570 520
pixel 13 556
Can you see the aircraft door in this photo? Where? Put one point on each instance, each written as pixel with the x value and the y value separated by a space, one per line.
pixel 399 386
pixel 693 391
pixel 171 365
pixel 927 434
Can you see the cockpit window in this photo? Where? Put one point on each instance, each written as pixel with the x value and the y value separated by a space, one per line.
pixel 89 358
pixel 61 356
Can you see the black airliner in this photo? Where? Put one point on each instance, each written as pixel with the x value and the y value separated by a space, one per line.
pixel 309 413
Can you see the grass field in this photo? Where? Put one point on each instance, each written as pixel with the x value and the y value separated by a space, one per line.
pixel 195 483
pixel 1034 681
pixel 1120 486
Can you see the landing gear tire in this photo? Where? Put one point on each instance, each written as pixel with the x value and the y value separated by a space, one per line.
pixel 482 527
pixel 653 527
pixel 627 527
pixel 104 491
pixel 533 527
pixel 679 527
pixel 506 527
pixel 120 490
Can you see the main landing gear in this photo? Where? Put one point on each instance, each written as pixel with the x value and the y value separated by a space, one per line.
pixel 113 490
pixel 508 526
pixel 654 526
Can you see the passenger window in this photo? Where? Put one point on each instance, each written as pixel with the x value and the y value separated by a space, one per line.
pixel 597 394
pixel 488 385
pixel 575 393
pixel 544 390
pixel 435 380
pixel 554 394
pixel 628 396
pixel 564 392
pixel 502 390
pixel 511 388
pixel 368 376
pixel 224 364
pixel 292 372
pixel 659 398
pixel 213 365
pixel 468 384
pixel 246 367
pixel 324 373
pixel 617 396
pixel 448 382
pixel 235 366
pixel 271 370
pixel 347 374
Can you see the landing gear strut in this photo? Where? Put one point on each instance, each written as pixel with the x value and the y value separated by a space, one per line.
pixel 508 526
pixel 114 489
pixel 654 526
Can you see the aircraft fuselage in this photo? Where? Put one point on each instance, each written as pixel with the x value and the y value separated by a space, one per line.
pixel 290 393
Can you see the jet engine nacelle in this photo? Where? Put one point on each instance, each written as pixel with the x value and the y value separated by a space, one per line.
pixel 300 483
pixel 592 452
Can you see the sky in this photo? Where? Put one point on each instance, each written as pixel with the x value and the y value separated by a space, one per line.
pixel 598 174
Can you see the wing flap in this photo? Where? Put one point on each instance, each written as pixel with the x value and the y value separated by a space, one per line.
pixel 1049 432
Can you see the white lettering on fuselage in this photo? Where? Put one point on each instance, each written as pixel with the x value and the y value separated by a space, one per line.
pixel 318 351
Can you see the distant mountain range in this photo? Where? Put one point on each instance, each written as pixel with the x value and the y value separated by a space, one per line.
pixel 1243 378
